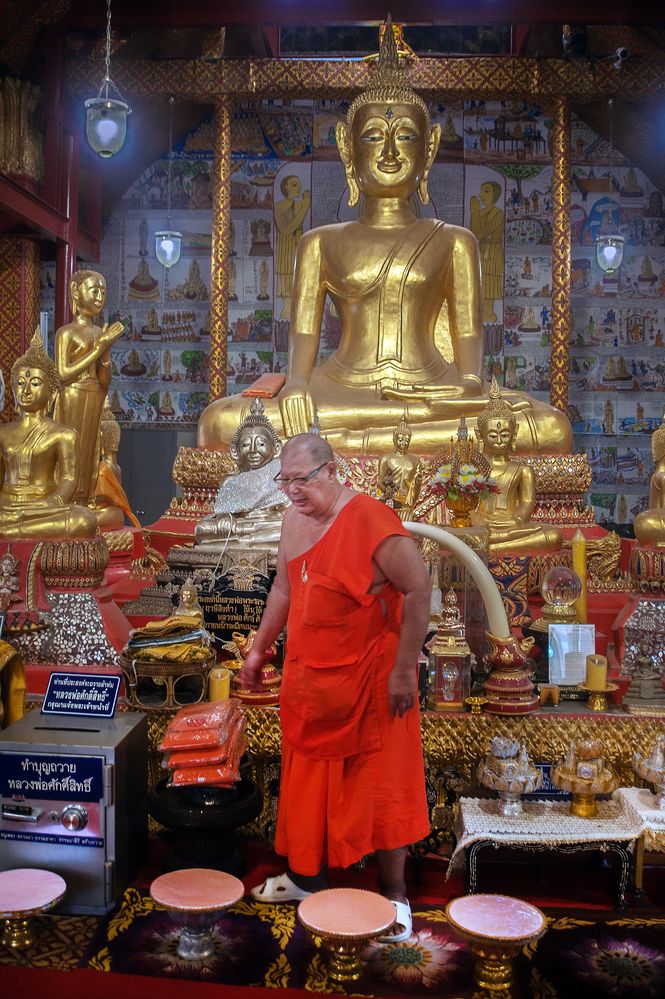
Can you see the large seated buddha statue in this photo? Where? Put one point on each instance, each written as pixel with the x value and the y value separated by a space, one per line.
pixel 408 294
pixel 249 505
pixel 650 524
pixel 507 513
pixel 39 459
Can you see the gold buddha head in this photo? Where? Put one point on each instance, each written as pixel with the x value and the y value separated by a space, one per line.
pixel 255 442
pixel 490 192
pixel 496 425
pixel 34 378
pixel 87 293
pixel 402 435
pixel 387 144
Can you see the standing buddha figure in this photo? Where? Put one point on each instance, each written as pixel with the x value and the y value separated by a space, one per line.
pixel 649 526
pixel 82 356
pixel 391 277
pixel 507 514
pixel 402 472
pixel 39 459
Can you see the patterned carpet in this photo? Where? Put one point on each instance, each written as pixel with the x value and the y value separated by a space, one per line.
pixel 592 954
pixel 60 943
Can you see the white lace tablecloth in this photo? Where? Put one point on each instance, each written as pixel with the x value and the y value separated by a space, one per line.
pixel 546 822
pixel 640 801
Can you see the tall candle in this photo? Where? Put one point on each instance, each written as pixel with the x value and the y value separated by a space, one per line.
pixel 219 684
pixel 596 672
pixel 579 566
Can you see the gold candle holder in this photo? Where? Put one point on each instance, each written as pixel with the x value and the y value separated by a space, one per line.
pixel 597 700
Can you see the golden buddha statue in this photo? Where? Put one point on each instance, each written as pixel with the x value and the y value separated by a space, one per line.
pixel 111 505
pixel 650 525
pixel 82 356
pixel 249 505
pixel 507 514
pixel 401 472
pixel 408 294
pixel 188 603
pixel 39 459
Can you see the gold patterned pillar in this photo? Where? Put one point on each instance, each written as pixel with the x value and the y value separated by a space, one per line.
pixel 221 216
pixel 19 303
pixel 561 311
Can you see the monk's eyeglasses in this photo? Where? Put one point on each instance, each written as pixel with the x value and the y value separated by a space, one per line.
pixel 298 480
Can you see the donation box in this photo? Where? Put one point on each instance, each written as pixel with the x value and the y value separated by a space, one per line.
pixel 73 799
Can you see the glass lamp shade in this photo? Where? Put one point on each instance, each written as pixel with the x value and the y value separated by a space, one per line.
pixel 167 247
pixel 106 124
pixel 609 252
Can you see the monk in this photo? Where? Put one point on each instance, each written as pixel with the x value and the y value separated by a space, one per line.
pixel 354 593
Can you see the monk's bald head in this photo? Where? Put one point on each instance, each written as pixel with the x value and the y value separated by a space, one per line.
pixel 312 445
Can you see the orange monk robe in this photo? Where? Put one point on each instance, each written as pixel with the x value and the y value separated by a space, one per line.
pixel 109 488
pixel 352 775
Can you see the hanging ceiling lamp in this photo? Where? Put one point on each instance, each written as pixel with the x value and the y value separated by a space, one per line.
pixel 168 241
pixel 106 117
pixel 609 242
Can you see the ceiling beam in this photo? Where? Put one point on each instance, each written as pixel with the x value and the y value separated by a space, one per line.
pixel 128 14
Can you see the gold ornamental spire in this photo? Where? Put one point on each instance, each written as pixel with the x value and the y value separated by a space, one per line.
pixel 389 84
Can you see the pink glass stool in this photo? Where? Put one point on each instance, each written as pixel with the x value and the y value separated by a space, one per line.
pixel 496 927
pixel 26 892
pixel 346 919
pixel 194 898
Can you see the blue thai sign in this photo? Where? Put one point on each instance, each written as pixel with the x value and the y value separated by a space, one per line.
pixel 90 694
pixel 38 775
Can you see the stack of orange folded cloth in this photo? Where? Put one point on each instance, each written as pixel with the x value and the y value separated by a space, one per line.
pixel 204 744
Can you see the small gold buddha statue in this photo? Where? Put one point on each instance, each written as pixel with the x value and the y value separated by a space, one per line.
pixel 649 526
pixel 249 504
pixel 83 359
pixel 507 514
pixel 188 602
pixel 401 473
pixel 408 294
pixel 111 505
pixel 39 459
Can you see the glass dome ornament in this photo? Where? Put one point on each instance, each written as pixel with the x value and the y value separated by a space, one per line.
pixel 168 241
pixel 560 589
pixel 106 117
pixel 609 242
pixel 167 247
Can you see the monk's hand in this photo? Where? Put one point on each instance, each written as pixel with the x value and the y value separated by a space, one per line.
pixel 401 690
pixel 297 407
pixel 249 673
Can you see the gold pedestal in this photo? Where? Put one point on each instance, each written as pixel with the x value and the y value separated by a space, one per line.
pixel 345 963
pixel 585 806
pixel 493 972
pixel 597 700
pixel 17 932
pixel 475 703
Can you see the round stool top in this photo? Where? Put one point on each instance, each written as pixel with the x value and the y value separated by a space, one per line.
pixel 26 889
pixel 346 912
pixel 197 889
pixel 497 917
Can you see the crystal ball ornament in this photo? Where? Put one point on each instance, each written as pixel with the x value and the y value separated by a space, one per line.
pixel 560 588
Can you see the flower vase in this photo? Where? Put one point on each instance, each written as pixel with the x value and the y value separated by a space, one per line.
pixel 461 507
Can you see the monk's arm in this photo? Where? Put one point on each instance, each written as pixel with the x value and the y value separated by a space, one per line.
pixel 272 624
pixel 465 311
pixel 401 563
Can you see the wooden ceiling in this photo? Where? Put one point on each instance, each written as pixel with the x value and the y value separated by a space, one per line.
pixel 169 29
